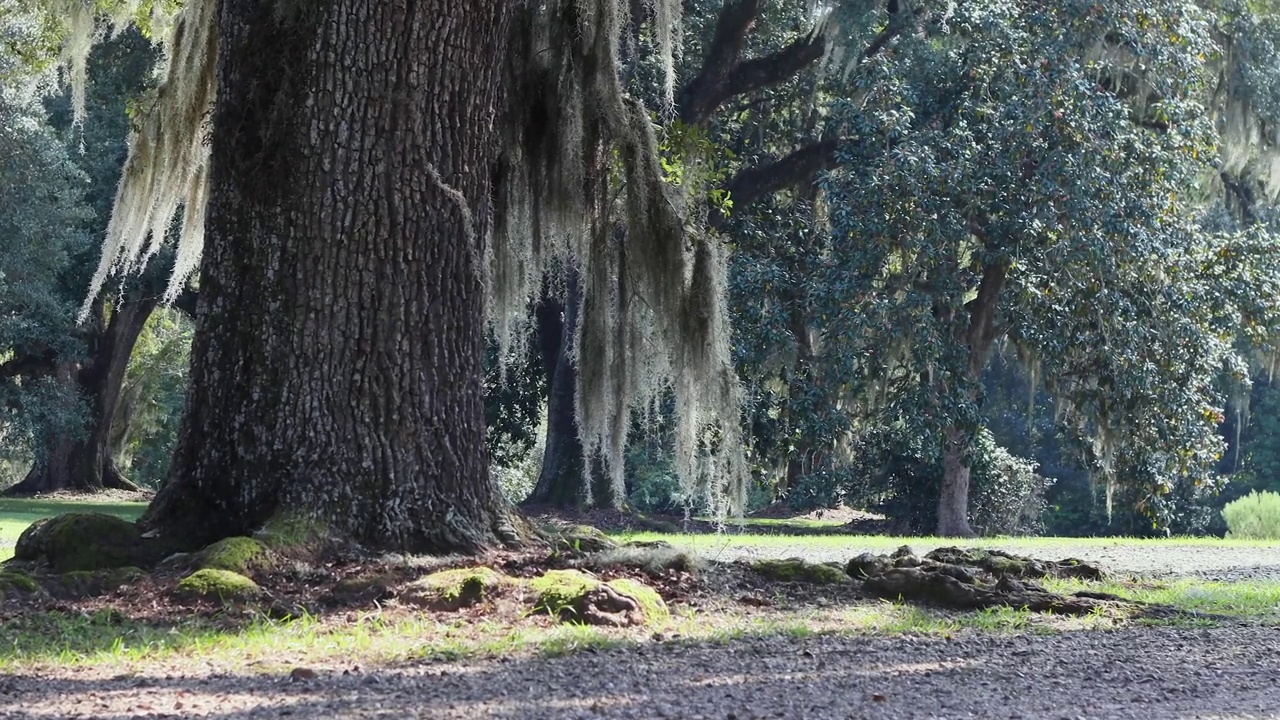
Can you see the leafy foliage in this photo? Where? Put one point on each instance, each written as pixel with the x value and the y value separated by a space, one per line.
pixel 146 426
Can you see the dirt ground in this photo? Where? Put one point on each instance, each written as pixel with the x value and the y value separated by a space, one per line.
pixel 1228 671
pixel 1224 672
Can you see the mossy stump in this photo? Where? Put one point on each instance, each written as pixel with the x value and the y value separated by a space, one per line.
pixel 574 596
pixel 83 541
pixel 797 570
pixel 220 585
pixel 455 588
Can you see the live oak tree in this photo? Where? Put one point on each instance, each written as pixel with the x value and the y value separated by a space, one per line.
pixel 338 165
pixel 63 382
pixel 738 132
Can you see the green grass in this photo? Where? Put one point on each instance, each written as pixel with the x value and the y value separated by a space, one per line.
pixel 1248 599
pixel 709 543
pixel 16 514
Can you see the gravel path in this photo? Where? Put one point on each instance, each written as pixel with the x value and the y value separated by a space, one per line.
pixel 1226 672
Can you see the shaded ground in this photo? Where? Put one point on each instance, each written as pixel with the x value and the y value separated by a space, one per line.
pixel 802 649
pixel 1228 672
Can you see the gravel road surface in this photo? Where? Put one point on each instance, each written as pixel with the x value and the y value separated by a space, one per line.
pixel 1143 674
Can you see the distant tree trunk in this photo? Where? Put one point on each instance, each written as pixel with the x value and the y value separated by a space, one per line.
pixel 953 504
pixel 337 362
pixel 978 335
pixel 563 482
pixel 85 464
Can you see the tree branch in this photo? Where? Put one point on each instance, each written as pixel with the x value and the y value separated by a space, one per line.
pixel 700 98
pixel 772 69
pixel 803 165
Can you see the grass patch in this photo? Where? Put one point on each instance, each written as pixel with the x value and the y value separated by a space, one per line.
pixel 709 544
pixel 1250 599
pixel 16 514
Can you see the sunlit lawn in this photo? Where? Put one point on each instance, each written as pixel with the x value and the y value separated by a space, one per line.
pixel 735 536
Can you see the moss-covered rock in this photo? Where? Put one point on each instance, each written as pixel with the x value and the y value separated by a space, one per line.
pixel 82 541
pixel 455 588
pixel 797 570
pixel 237 554
pixel 574 596
pixel 214 584
pixel 558 589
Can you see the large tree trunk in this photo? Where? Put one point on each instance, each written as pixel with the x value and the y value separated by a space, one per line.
pixel 85 464
pixel 564 482
pixel 337 363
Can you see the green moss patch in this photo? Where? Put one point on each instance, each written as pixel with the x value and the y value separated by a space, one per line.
pixel 214 584
pixel 651 603
pixel 797 570
pixel 295 535
pixel 574 596
pixel 81 541
pixel 237 554
pixel 452 589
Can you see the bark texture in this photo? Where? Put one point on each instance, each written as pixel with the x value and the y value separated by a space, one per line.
pixel 85 463
pixel 337 362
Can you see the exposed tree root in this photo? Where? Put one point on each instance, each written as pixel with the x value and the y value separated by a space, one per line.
pixel 976 579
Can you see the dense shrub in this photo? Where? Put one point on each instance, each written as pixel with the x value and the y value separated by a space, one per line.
pixel 1255 516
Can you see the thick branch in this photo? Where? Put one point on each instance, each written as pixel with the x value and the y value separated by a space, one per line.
pixel 700 98
pixel 801 166
pixel 773 69
pixel 982 316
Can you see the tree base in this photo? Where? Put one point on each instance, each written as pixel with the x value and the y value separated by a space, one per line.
pixel 45 480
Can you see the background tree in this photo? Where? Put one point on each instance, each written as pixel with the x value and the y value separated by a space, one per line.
pixel 87 363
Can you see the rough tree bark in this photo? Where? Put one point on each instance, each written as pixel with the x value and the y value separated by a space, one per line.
pixel 337 362
pixel 85 464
